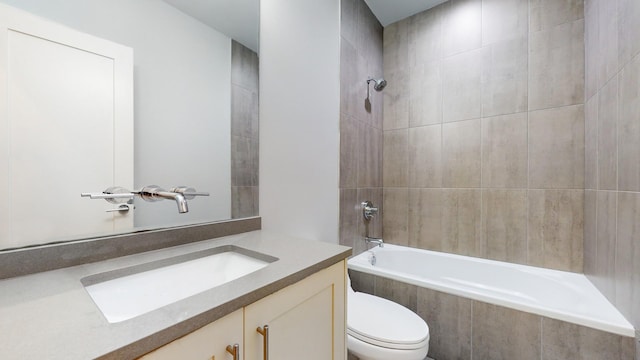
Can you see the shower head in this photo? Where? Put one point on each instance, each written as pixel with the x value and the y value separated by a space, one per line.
pixel 378 84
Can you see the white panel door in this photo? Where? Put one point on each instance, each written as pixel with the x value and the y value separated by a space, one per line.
pixel 66 120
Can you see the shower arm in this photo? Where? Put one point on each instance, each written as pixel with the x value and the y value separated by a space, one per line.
pixel 370 79
pixel 379 84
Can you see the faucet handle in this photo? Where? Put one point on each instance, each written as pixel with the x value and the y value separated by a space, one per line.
pixel 368 210
pixel 150 193
pixel 114 195
pixel 188 192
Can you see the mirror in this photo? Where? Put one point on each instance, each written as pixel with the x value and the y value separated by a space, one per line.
pixel 195 96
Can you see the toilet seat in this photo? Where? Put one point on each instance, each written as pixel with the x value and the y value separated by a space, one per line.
pixel 383 323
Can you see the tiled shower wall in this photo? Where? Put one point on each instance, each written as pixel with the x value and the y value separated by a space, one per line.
pixel 484 131
pixel 244 131
pixel 360 122
pixel 612 152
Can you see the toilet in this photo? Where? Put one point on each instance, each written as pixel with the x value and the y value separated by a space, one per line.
pixel 379 329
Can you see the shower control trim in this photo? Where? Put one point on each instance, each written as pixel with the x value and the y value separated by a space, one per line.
pixel 368 210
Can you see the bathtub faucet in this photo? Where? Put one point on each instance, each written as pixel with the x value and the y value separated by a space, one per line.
pixel 371 240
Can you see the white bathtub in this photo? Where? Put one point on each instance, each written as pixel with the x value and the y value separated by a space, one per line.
pixel 555 294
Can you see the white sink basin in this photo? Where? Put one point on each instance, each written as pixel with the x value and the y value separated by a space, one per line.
pixel 126 293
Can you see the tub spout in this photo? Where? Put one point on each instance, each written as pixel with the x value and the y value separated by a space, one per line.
pixel 371 240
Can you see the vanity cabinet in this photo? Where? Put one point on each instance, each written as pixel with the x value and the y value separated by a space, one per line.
pixel 306 320
pixel 206 343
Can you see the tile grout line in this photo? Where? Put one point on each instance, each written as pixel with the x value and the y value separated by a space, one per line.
pixel 471 332
pixel 617 119
pixel 481 148
pixel 528 126
pixel 541 338
pixel 408 201
pixel 482 236
pixel 497 189
pixel 597 167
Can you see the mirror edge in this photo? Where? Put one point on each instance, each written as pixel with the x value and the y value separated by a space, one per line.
pixel 40 258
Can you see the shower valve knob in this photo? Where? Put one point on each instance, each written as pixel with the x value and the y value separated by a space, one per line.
pixel 368 210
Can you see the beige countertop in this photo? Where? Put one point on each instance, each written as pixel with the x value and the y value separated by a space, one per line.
pixel 50 315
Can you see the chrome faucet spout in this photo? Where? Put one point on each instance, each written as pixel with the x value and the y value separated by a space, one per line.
pixel 156 193
pixel 372 240
pixel 179 199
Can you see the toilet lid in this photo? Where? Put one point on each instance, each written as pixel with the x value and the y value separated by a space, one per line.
pixel 384 323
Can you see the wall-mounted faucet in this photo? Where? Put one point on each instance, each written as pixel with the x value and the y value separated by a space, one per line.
pixel 151 193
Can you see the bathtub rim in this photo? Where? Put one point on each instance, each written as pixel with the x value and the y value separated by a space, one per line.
pixel 620 327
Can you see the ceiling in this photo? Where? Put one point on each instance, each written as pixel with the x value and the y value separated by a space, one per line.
pixel 238 19
pixel 390 11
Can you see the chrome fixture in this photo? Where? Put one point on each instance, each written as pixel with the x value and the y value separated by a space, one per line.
pixel 151 193
pixel 378 85
pixel 368 210
pixel 372 258
pixel 372 240
pixel 122 208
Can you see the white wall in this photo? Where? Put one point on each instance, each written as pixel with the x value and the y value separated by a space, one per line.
pixel 299 117
pixel 182 98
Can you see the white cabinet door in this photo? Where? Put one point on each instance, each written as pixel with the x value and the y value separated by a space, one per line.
pixel 306 320
pixel 66 127
pixel 207 343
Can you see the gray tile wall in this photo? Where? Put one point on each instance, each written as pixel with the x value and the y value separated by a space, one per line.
pixel 535 107
pixel 612 152
pixel 361 139
pixel 483 130
pixel 461 328
pixel 244 131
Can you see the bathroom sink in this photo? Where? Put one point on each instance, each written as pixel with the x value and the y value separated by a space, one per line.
pixel 126 293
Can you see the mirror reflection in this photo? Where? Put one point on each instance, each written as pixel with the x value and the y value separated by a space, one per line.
pixel 193 105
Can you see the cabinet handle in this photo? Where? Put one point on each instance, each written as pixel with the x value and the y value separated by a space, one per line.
pixel 264 331
pixel 234 350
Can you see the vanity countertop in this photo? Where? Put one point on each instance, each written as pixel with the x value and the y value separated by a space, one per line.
pixel 50 315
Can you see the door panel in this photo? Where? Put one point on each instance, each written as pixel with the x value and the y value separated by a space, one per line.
pixel 68 116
